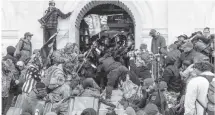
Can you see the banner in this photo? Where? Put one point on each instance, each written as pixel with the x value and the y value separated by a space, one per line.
pixel 96 23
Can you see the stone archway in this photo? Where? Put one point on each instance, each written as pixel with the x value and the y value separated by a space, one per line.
pixel 85 6
pixel 92 4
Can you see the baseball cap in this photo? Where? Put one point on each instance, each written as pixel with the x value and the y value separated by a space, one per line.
pixel 152 31
pixel 28 34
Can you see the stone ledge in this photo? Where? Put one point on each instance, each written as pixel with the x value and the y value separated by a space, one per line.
pixel 9 34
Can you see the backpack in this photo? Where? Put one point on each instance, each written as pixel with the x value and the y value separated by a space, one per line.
pixel 22 44
pixel 211 100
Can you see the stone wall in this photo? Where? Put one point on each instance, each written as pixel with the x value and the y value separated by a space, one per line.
pixel 170 18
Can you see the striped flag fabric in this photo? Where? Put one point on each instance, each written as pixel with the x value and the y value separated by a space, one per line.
pixel 31 77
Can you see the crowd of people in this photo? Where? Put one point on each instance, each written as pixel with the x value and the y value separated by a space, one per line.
pixel 175 80
pixel 170 80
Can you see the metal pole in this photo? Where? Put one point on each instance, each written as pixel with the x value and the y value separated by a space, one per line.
pixel 87 54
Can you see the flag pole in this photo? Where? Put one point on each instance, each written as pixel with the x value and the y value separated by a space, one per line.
pixel 88 53
pixel 55 34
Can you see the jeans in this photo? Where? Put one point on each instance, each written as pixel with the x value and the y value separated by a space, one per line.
pixel 4 105
pixel 7 102
pixel 48 32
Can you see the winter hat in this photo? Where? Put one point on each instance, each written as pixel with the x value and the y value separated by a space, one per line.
pixel 11 50
pixel 151 109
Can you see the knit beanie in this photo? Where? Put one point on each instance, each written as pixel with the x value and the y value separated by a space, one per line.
pixel 11 50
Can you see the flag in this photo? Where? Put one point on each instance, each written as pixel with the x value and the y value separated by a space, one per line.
pixel 32 75
pixel 47 49
pixel 96 23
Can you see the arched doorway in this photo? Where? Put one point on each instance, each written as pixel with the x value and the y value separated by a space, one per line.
pixel 117 8
pixel 104 20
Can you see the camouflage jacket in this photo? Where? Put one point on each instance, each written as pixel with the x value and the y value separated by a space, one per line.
pixel 70 60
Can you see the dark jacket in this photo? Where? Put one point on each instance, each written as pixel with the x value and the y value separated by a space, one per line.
pixel 176 54
pixel 204 39
pixel 8 56
pixel 108 64
pixel 171 75
pixel 141 72
pixel 191 55
pixel 10 53
pixel 157 42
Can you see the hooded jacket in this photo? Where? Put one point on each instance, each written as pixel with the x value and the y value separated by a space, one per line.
pixel 10 53
pixel 171 75
pixel 197 88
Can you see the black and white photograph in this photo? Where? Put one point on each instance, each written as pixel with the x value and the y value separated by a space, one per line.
pixel 107 57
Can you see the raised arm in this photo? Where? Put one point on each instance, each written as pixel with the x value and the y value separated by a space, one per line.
pixel 62 15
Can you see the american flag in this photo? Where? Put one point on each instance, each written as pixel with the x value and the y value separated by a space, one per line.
pixel 31 77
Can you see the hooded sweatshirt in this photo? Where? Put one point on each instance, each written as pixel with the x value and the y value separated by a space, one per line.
pixel 197 88
pixel 10 53
pixel 171 75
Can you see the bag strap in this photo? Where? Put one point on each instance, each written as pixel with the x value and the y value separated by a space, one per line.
pixel 22 43
pixel 205 109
